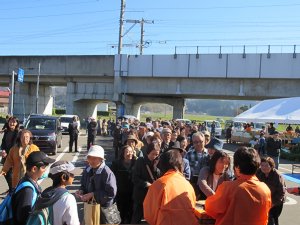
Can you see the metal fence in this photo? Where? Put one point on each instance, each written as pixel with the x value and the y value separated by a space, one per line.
pixel 237 49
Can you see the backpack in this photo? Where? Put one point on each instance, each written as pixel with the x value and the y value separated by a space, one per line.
pixel 43 216
pixel 6 213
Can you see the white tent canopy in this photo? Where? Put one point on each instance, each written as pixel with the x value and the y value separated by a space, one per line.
pixel 283 110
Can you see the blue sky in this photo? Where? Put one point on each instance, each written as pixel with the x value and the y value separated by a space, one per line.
pixel 90 27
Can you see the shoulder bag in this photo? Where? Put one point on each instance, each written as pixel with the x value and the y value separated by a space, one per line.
pixel 150 173
pixel 110 215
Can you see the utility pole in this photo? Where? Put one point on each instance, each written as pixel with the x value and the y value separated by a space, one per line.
pixel 142 36
pixel 12 93
pixel 121 35
pixel 142 21
pixel 121 26
pixel 37 90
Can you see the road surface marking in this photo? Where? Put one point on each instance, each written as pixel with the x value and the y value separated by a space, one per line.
pixel 285 169
pixel 75 158
pixel 290 201
pixel 57 159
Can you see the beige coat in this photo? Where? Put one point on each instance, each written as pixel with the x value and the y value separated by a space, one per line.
pixel 13 161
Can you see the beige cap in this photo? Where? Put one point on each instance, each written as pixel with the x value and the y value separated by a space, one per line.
pixel 206 133
pixel 166 130
pixel 132 137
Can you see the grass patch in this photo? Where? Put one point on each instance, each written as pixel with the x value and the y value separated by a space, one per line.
pixel 192 117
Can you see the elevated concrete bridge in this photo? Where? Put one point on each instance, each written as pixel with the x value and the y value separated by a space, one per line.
pixel 131 81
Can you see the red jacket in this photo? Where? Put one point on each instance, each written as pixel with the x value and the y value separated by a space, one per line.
pixel 245 201
pixel 170 200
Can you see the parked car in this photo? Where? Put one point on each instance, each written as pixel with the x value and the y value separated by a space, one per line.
pixel 218 129
pixel 46 131
pixel 258 126
pixel 239 134
pixel 65 120
pixel 185 121
pixel 220 120
pixel 128 117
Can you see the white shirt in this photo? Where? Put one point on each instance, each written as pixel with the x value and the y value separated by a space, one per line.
pixel 65 211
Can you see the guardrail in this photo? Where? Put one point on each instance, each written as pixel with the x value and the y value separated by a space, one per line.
pixel 240 49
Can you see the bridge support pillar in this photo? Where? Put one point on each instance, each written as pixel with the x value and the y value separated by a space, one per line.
pixel 120 109
pixel 178 108
pixel 133 109
pixel 25 100
pixel 83 107
pixel 132 106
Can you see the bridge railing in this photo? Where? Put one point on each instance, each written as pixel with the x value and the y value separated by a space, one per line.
pixel 238 49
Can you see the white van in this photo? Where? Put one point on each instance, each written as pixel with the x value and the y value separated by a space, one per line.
pixel 258 126
pixel 239 125
pixel 218 129
pixel 65 120
pixel 185 121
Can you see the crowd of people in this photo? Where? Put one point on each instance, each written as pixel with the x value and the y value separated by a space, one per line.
pixel 268 143
pixel 160 170
pixel 205 166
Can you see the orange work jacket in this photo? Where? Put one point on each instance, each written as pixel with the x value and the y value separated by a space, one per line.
pixel 244 201
pixel 170 200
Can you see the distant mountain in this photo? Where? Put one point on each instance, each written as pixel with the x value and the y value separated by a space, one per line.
pixel 60 97
pixel 217 107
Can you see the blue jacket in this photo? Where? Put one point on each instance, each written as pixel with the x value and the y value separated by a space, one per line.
pixel 22 201
pixel 102 182
pixel 186 169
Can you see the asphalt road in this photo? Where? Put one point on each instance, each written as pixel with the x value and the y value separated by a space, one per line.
pixel 289 216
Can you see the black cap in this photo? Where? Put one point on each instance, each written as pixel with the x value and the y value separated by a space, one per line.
pixel 215 144
pixel 142 124
pixel 176 146
pixel 38 157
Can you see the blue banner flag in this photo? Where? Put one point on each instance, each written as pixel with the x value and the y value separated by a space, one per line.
pixel 20 75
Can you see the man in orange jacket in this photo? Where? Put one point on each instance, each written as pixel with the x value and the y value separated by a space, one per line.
pixel 244 201
pixel 171 199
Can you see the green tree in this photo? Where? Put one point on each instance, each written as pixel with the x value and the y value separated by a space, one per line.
pixel 244 108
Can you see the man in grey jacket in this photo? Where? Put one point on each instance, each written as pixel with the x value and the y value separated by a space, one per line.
pixel 98 180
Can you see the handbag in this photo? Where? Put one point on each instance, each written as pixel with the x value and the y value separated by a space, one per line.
pixel 110 215
pixel 91 212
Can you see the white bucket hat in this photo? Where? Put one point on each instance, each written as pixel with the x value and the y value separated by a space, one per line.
pixel 61 166
pixel 149 134
pixel 96 151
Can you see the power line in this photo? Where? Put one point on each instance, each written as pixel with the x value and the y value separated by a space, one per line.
pixel 81 27
pixel 46 6
pixel 58 15
pixel 142 22
pixel 221 7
